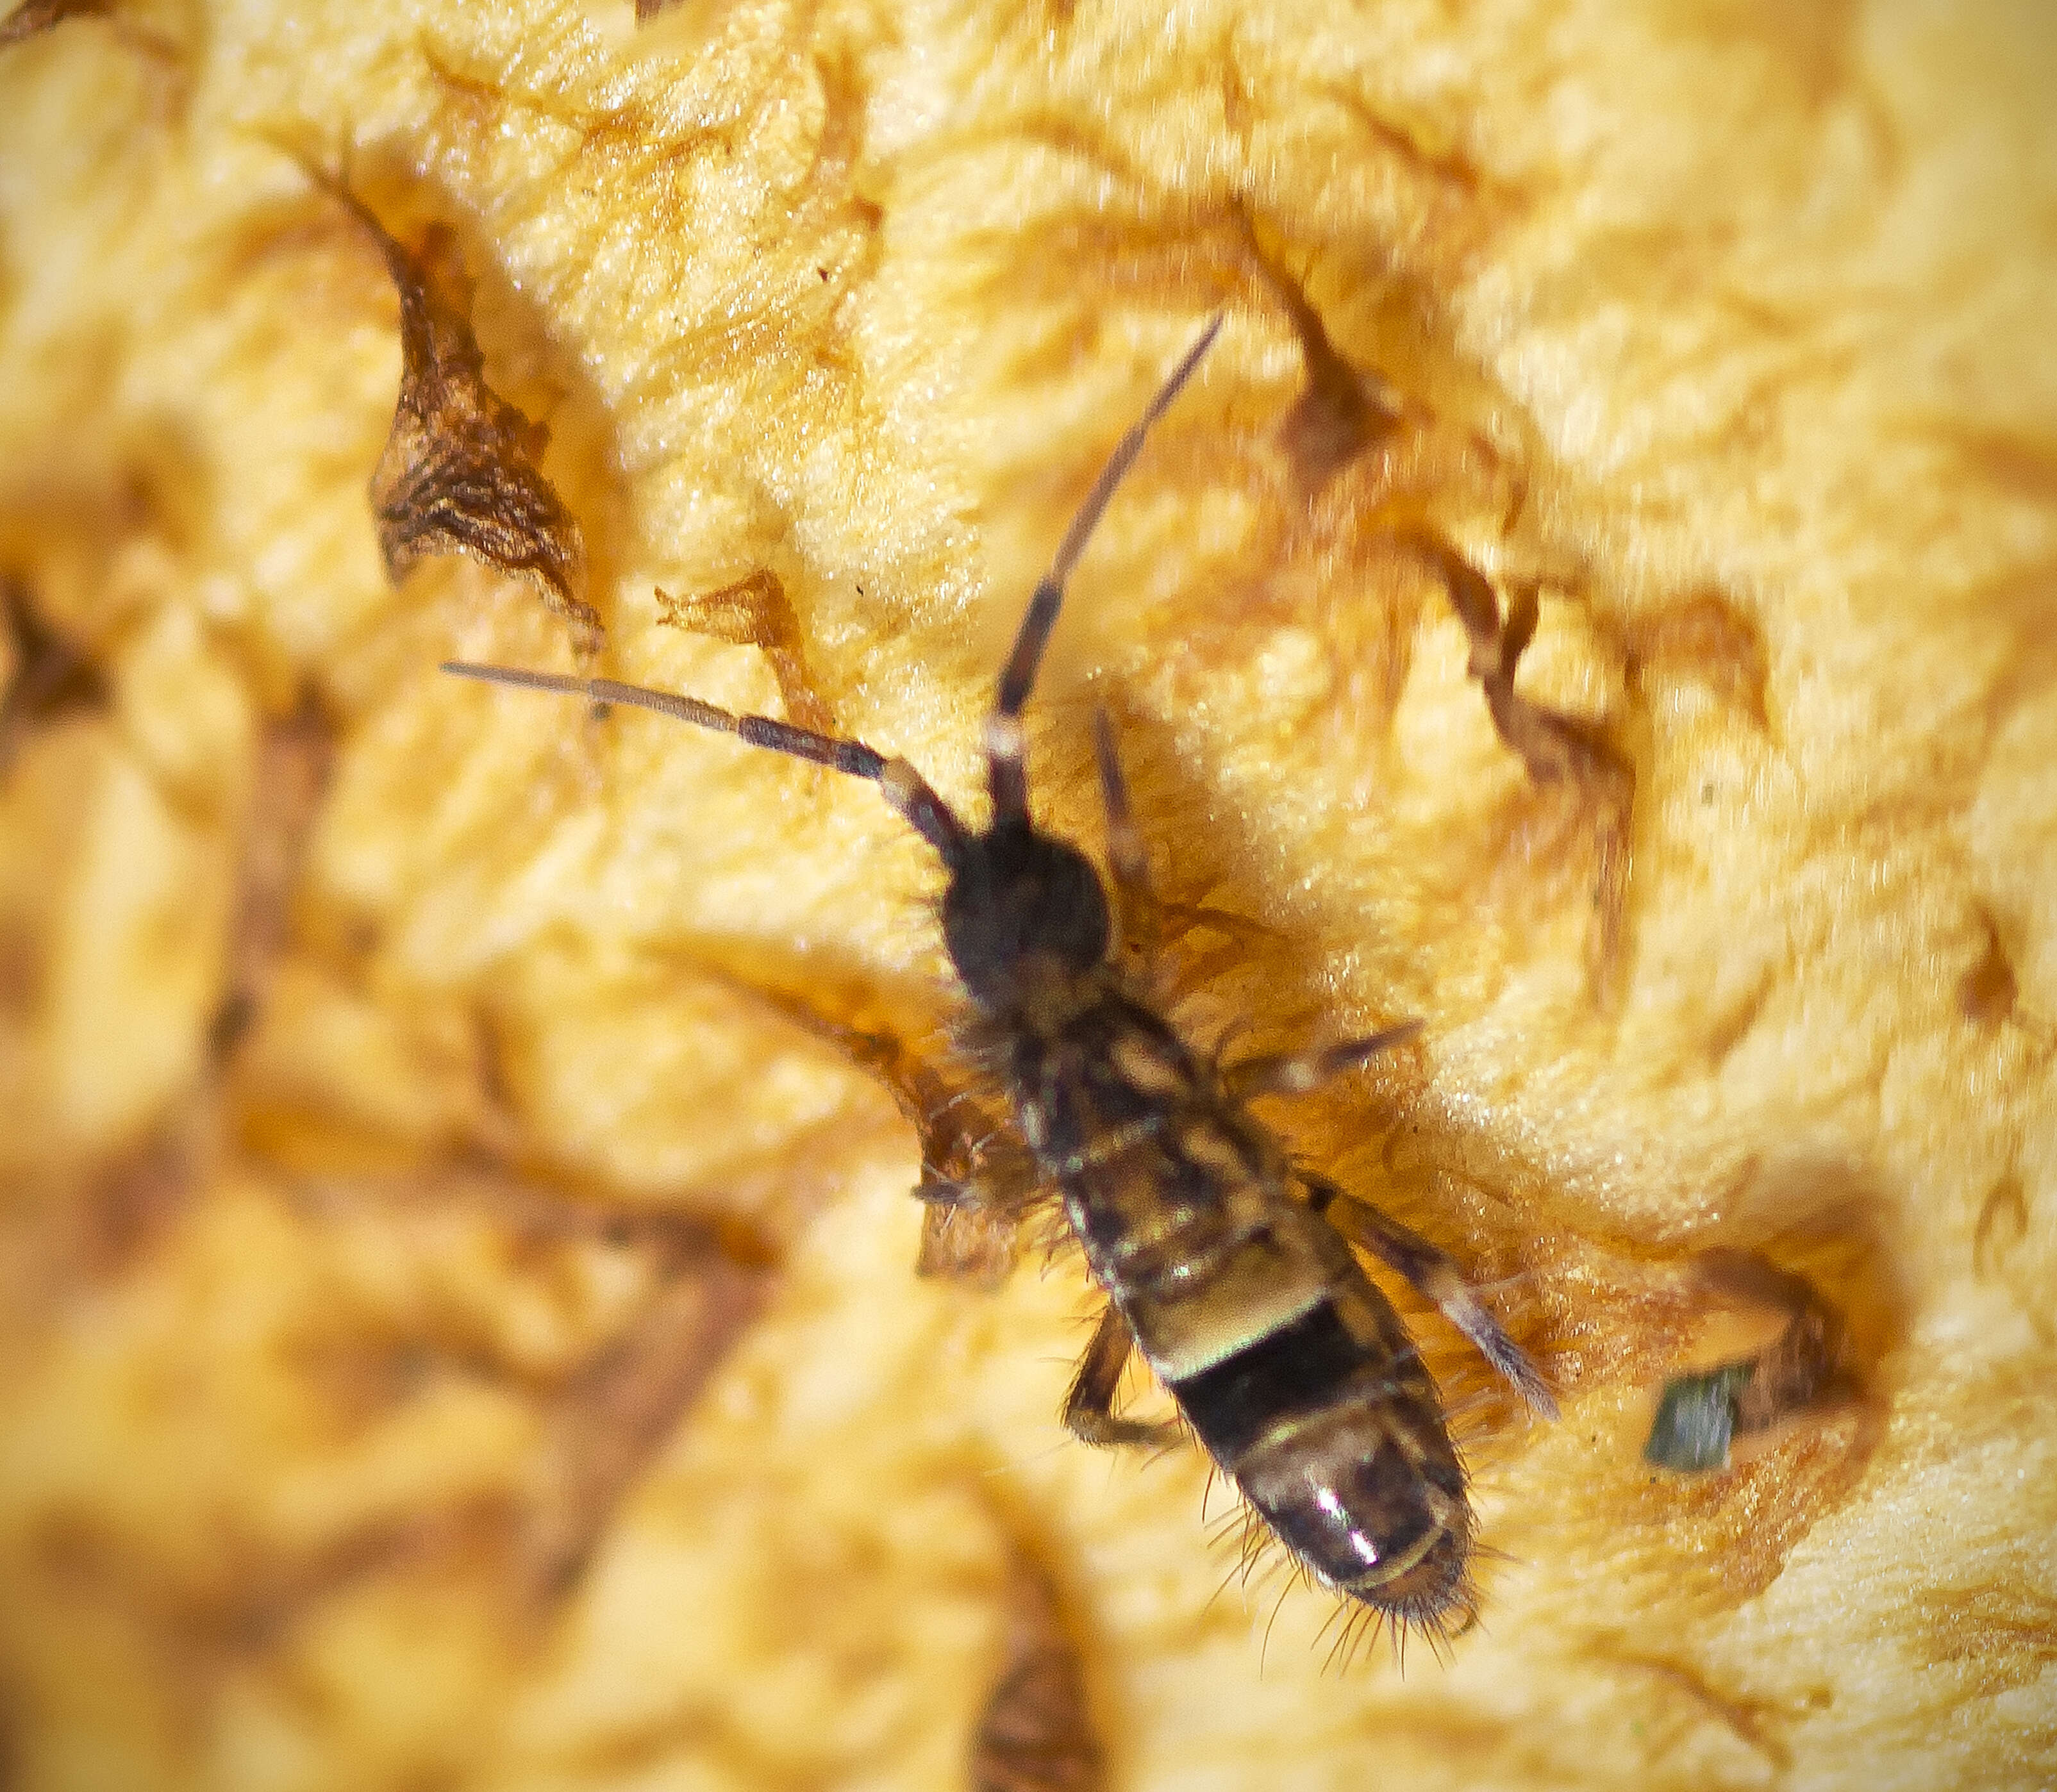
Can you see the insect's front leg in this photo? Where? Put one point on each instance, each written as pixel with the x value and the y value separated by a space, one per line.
pixel 1089 1407
pixel 1137 910
pixel 1296 1072
pixel 1435 1275
pixel 978 1179
pixel 972 1203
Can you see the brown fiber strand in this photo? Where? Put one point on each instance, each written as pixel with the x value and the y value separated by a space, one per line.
pixel 1036 1733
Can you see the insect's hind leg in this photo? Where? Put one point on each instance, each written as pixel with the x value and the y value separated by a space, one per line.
pixel 1088 1412
pixel 1434 1273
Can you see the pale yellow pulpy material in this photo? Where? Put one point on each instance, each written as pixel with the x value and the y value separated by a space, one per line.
pixel 353 1428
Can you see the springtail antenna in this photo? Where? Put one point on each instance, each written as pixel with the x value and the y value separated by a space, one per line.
pixel 1006 749
pixel 899 781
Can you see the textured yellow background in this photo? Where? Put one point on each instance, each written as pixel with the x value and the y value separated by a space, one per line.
pixel 1750 303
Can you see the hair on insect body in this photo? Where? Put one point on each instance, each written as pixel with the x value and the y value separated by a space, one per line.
pixel 1230 1268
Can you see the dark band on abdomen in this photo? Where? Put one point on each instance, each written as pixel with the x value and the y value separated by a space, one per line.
pixel 1298 1368
pixel 1349 1467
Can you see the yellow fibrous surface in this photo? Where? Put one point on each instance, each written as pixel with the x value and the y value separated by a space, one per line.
pixel 458 1323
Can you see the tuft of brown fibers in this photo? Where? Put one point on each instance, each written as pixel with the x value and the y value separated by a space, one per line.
pixel 459 474
pixel 32 16
pixel 467 1330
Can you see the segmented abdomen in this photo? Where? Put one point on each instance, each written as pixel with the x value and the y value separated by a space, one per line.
pixel 1341 1445
pixel 1292 1368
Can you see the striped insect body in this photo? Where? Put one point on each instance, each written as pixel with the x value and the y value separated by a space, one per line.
pixel 1233 1272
